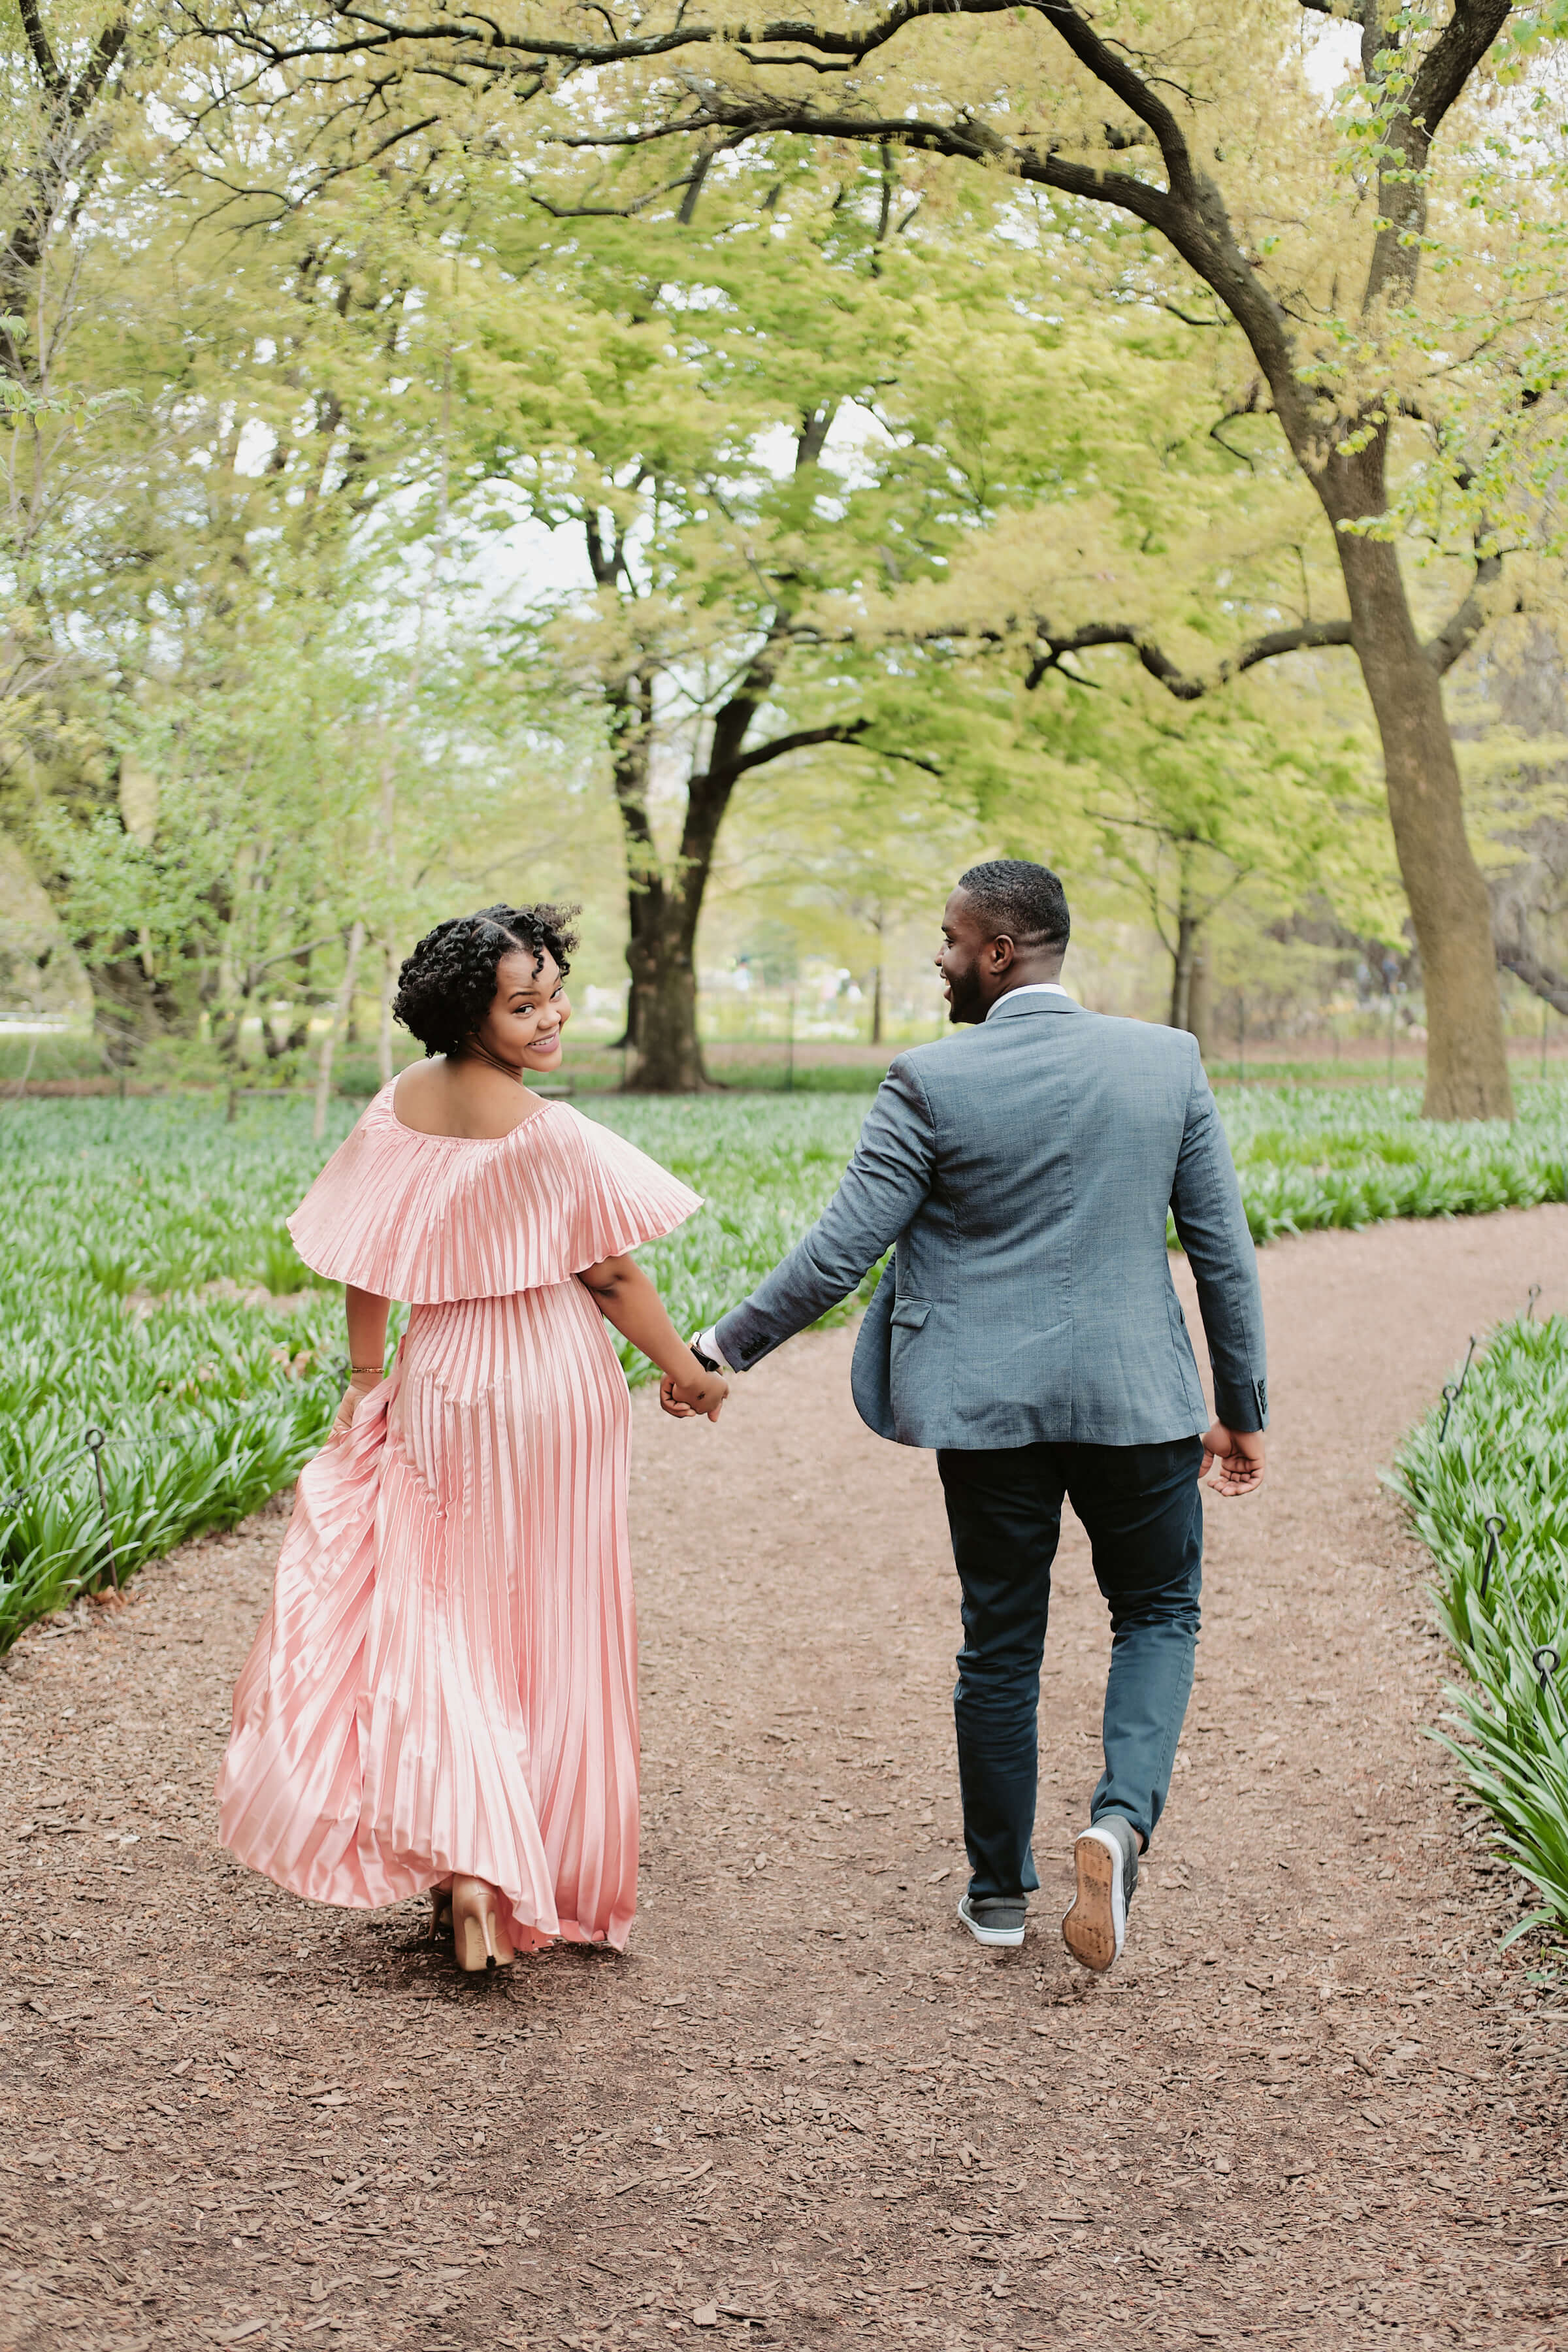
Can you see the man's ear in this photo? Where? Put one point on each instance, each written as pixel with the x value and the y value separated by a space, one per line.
pixel 1003 953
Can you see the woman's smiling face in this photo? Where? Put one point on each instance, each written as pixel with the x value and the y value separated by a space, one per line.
pixel 527 1014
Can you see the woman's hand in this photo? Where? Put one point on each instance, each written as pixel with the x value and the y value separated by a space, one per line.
pixel 704 1394
pixel 625 1297
pixel 360 1385
pixel 367 1312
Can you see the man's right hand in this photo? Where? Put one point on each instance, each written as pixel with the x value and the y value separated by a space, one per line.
pixel 1235 1457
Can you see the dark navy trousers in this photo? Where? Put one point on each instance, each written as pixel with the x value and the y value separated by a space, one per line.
pixel 1143 1513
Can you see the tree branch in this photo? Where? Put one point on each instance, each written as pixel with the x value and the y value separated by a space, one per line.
pixel 848 730
pixel 1304 638
pixel 1539 978
pixel 98 66
pixel 49 74
pixel 1447 66
pixel 1464 624
pixel 1411 126
pixel 1113 73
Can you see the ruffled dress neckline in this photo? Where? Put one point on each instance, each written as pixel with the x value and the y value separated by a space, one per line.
pixel 428 1219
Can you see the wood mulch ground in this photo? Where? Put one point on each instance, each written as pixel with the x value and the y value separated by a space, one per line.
pixel 1311 2108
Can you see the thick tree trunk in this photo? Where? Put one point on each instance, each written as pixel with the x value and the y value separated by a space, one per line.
pixel 662 1018
pixel 666 904
pixel 1467 1059
pixel 661 915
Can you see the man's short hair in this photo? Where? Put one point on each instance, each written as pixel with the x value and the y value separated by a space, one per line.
pixel 1020 901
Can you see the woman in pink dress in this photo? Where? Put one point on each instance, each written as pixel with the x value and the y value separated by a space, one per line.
pixel 443 1695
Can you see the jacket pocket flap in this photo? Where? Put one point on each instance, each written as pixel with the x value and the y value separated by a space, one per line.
pixel 908 1314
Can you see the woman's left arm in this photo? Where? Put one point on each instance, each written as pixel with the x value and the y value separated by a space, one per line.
pixel 367 1316
pixel 625 1297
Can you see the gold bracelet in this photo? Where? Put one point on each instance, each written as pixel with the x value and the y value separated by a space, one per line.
pixel 376 1368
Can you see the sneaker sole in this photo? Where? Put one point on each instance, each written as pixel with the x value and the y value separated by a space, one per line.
pixel 1010 1938
pixel 1088 1931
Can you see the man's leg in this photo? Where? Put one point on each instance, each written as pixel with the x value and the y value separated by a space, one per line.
pixel 1004 1508
pixel 1144 1515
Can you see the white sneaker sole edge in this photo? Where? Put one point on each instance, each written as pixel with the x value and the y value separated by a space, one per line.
pixel 1097 1894
pixel 1009 1938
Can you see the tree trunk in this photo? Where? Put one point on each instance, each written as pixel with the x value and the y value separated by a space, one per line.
pixel 131 1011
pixel 389 971
pixel 661 915
pixel 666 905
pixel 341 1011
pixel 1199 1002
pixel 1187 955
pixel 877 1006
pixel 1466 1058
pixel 662 1012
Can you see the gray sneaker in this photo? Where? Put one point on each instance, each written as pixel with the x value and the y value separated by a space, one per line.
pixel 1095 1928
pixel 993 1918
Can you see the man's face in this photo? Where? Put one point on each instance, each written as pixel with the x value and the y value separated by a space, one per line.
pixel 961 960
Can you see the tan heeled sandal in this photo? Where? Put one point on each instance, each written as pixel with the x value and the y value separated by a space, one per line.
pixel 441 1913
pixel 479 1938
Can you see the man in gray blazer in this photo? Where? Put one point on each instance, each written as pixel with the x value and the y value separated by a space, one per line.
pixel 1030 1332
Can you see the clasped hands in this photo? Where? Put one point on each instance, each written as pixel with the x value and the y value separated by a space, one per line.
pixel 687 1399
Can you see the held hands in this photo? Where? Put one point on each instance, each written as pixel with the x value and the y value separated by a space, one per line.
pixel 692 1384
pixel 703 1393
pixel 1235 1457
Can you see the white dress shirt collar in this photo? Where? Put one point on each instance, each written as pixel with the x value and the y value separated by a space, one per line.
pixel 1031 987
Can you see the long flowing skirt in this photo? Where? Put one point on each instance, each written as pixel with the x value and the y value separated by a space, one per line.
pixel 447 1679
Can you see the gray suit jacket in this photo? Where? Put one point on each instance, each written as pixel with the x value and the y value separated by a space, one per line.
pixel 1024 1168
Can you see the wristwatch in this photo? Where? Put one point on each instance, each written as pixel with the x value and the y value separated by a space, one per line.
pixel 704 1346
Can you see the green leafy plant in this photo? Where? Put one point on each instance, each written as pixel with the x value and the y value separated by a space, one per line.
pixel 1308 1158
pixel 148 1285
pixel 1488 1495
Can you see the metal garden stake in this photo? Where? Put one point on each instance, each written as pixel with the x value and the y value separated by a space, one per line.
pixel 1494 1526
pixel 96 1442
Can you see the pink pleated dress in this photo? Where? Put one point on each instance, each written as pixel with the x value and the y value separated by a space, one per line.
pixel 446 1682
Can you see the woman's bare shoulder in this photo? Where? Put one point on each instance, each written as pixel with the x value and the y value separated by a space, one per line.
pixel 461 1105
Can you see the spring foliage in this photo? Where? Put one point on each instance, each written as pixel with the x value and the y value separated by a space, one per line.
pixel 1503 1456
pixel 148 1285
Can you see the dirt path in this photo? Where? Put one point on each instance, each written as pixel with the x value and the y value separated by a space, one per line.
pixel 1310 2109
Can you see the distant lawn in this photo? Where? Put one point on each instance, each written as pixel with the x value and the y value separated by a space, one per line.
pixel 148 1286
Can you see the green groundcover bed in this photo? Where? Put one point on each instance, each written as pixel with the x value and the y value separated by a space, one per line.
pixel 1485 1479
pixel 148 1289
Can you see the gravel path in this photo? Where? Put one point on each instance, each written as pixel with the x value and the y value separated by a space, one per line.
pixel 1311 2108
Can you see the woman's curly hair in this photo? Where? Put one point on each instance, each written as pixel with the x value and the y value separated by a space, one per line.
pixel 447 985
